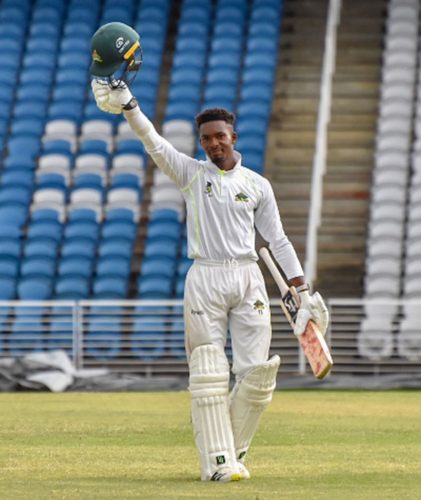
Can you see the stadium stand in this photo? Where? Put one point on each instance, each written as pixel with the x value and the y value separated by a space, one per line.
pixel 84 214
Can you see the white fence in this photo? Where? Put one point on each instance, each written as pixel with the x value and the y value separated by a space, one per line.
pixel 146 337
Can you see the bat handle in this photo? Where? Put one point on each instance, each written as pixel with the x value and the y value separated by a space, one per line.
pixel 277 276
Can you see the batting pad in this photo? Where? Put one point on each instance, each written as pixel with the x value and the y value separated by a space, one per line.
pixel 209 383
pixel 248 400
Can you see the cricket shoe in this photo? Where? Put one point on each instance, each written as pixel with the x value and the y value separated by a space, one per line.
pixel 226 474
pixel 244 473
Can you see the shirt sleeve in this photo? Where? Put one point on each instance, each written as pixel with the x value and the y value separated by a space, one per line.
pixel 178 166
pixel 268 223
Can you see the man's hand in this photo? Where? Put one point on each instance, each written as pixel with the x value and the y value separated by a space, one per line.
pixel 111 100
pixel 312 307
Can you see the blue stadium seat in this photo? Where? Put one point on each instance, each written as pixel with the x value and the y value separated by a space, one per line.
pixel 110 287
pixel 45 230
pixel 15 195
pixel 179 287
pixel 256 76
pixel 9 268
pixel 10 249
pixel 193 29
pixel 253 160
pixel 35 288
pixel 119 229
pixel 183 266
pixel 76 267
pixel 45 214
pixel 52 181
pixel 113 267
pixel 66 111
pixel 26 336
pixel 7 287
pixel 78 247
pixel 72 288
pixel 157 267
pixel 154 288
pixel 163 231
pixel 116 247
pixel 39 267
pixel 164 215
pixel 181 110
pixel 182 92
pixel 69 92
pixel 120 214
pixel 26 128
pixel 103 340
pixel 161 249
pixel 188 43
pixel 29 145
pixel 176 338
pixel 82 229
pixel 252 142
pixel 58 146
pixel 221 76
pixel 264 29
pixel 94 146
pixel 60 333
pixel 188 76
pixel 15 215
pixel 148 337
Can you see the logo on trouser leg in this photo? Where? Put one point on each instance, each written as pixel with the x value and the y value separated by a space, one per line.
pixel 220 460
pixel 242 455
pixel 259 306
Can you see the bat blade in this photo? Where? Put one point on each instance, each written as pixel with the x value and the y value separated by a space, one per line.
pixel 316 350
pixel 311 341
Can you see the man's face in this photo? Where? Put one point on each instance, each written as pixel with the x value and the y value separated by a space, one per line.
pixel 217 139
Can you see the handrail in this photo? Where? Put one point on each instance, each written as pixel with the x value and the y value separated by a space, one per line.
pixel 319 159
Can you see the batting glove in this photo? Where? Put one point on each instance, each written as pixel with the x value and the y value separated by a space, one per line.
pixel 312 307
pixel 109 99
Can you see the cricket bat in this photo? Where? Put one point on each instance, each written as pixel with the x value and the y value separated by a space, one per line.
pixel 311 341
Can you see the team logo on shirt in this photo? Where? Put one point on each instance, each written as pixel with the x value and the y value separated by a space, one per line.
pixel 208 189
pixel 259 306
pixel 241 197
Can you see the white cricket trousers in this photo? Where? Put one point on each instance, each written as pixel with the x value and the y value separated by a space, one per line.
pixel 230 295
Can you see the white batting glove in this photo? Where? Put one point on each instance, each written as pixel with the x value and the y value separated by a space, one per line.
pixel 108 99
pixel 312 307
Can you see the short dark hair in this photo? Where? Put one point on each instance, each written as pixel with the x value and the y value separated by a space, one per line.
pixel 215 114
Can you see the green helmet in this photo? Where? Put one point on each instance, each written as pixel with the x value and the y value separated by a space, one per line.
pixel 114 45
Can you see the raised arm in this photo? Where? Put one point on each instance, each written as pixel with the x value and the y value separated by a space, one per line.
pixel 120 100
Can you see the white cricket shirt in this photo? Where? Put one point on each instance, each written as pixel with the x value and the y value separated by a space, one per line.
pixel 223 207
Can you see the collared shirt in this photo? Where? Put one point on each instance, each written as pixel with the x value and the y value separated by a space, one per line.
pixel 224 208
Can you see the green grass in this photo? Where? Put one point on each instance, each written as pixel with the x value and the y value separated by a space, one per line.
pixel 310 445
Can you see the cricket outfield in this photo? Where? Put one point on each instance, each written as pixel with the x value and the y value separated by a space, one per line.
pixel 310 445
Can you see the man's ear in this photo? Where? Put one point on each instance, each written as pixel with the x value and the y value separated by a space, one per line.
pixel 234 136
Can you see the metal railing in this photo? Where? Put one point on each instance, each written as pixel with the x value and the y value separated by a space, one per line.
pixel 147 337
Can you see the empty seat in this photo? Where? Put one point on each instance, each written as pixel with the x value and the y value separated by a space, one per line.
pixel 375 341
pixel 72 288
pixel 148 337
pixel 154 288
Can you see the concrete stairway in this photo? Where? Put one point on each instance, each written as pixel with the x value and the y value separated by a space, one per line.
pixel 291 139
pixel 351 135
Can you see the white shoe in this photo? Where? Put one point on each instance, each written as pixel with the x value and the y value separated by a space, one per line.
pixel 244 473
pixel 225 475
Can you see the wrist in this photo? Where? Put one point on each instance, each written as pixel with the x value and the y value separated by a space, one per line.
pixel 131 104
pixel 302 288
